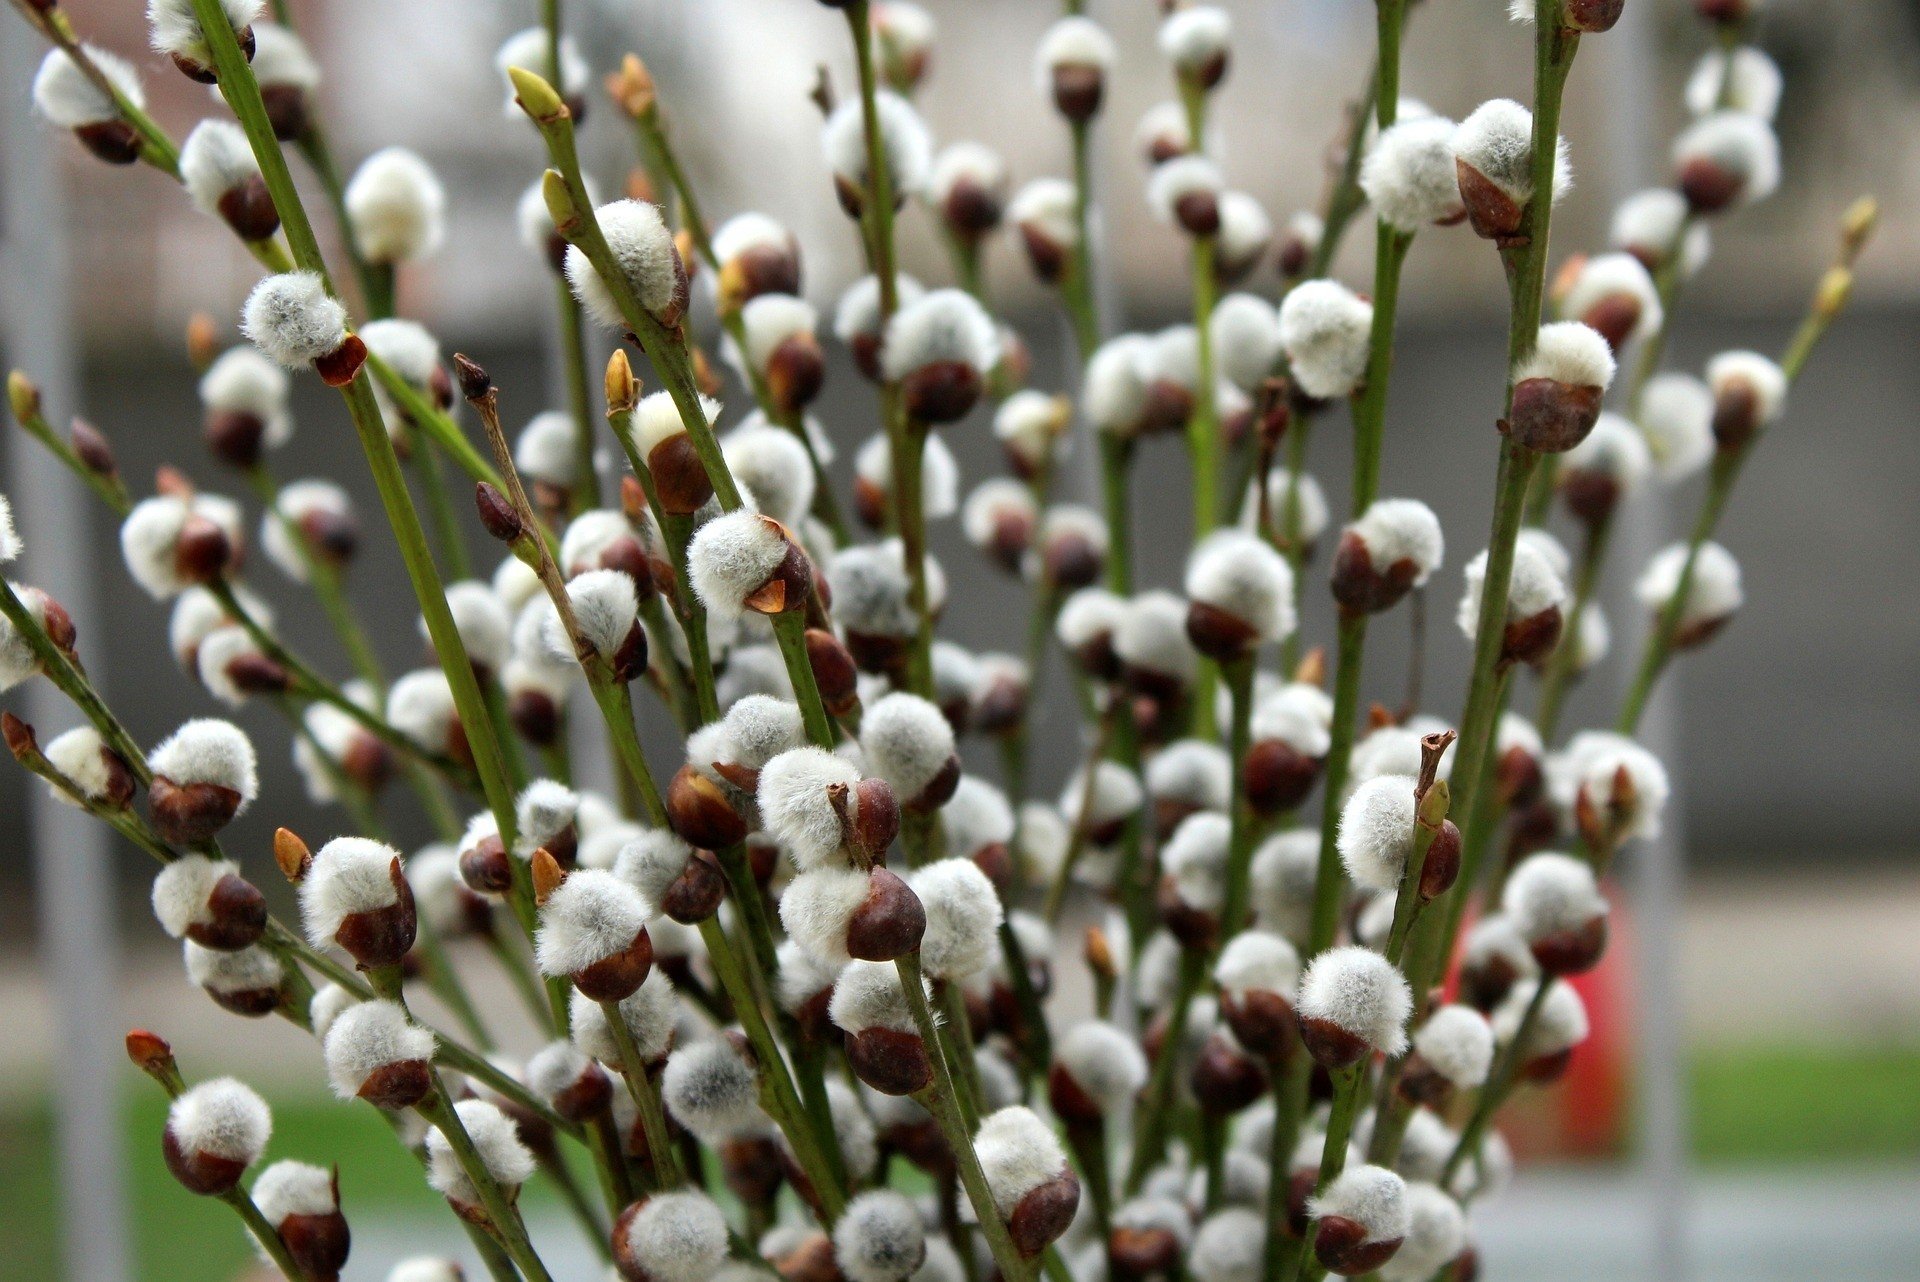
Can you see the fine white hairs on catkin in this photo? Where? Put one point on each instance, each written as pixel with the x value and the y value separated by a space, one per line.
pixel 1258 961
pixel 1242 575
pixel 1457 1042
pixel 1325 328
pixel 1018 1153
pixel 67 99
pixel 649 1014
pixel 1534 588
pixel 592 916
pixel 294 1188
pixel 1228 1246
pixel 677 1237
pixel 904 136
pixel 643 250
pixel 1550 894
pixel 366 1037
pixel 945 326
pixel 1409 174
pixel 818 906
pixel 795 807
pixel 293 320
pixel 731 558
pixel 1497 141
pixel 1741 148
pixel 214 160
pixel 396 207
pixel 868 995
pixel 1104 1062
pixel 1361 993
pixel 1371 1196
pixel 206 750
pixel 348 875
pixel 1569 352
pixel 963 918
pixel 1676 417
pixel 906 741
pixel 1713 592
pixel 1245 329
pixel 495 1138
pixel 710 1089
pixel 880 1237
pixel 176 29
pixel 1396 530
pixel 223 1118
pixel 1436 1235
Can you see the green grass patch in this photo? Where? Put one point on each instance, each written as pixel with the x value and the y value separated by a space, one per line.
pixel 1799 1104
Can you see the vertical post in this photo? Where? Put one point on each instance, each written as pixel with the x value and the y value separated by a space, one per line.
pixel 1656 870
pixel 78 949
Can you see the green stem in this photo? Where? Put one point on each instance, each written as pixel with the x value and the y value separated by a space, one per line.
pixel 1497 1087
pixel 573 348
pixel 264 1233
pixel 1157 1101
pixel 1239 679
pixel 661 1152
pixel 1560 668
pixel 1203 428
pixel 1333 1157
pixel 503 1219
pixel 1330 883
pixel 1116 470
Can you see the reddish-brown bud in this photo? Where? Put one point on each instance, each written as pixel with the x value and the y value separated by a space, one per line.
pixel 485 866
pixel 1332 1046
pixel 248 209
pixel 1552 417
pixel 1342 1247
pixel 1225 1080
pixel 699 810
pixel 188 814
pixel 891 921
pixel 340 366
pixel 891 1062
pixel 941 392
pixel 237 916
pixel 1491 212
pixel 497 514
pixel 200 1172
pixel 616 978
pixel 1572 952
pixel 114 141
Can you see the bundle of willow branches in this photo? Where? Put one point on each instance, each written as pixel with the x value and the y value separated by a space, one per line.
pixel 794 990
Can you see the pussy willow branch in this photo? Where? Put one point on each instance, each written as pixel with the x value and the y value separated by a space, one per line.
pixel 25 399
pixel 1526 263
pixel 1830 299
pixel 657 148
pixel 242 93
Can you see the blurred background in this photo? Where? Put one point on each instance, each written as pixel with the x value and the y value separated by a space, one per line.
pixel 1754 1111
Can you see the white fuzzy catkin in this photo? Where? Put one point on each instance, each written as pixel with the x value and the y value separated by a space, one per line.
pixel 1297 714
pixel 176 29
pixel 1753 373
pixel 9 536
pixel 1457 1042
pixel 649 1014
pixel 817 907
pixel 760 728
pixel 592 916
pixel 1409 174
pixel 545 448
pixel 963 918
pixel 606 605
pixel 1179 178
pixel 248 970
pixel 1436 1235
pixel 1535 587
pixel 1104 1062
pixel 1560 1025
pixel 903 134
pixel 794 806
pixel 1246 339
pixel 879 1237
pixel 1192 38
pixel 1071 42
pixel 768 320
pixel 426 1268
pixel 1115 389
pixel 1116 795
pixel 978 166
pixel 1377 832
pixel 67 99
pixel 215 159
pixel 996 499
pixel 1653 224
pixel 293 320
pixel 77 754
pixel 1615 275
pixel 1676 417
pixel 1241 575
pixel 1191 772
pixel 771 464
pixel 678 1237
pixel 1325 328
pixel 348 875
pixel 281 60
pixel 1550 894
pixel 485 629
pixel 207 750
pixel 281 534
pixel 1735 143
pixel 1569 352
pixel 1713 592
pixel 868 995
pixel 907 741
pixel 939 473
pixel 1745 80
pixel 1258 961
pixel 150 538
pixel 330 1001
pixel 1228 1246
pixel 1590 764
pixel 1497 141
pixel 181 888
pixel 495 1138
pixel 366 1037
pixel 420 706
pixel 222 1118
pixel 1371 1196
pixel 1245 232
pixel 1018 1153
pixel 711 1090
pixel 1360 992
pixel 857 314
pixel 731 558
pixel 1402 529
pixel 294 1188
pixel 1151 635
pixel 944 326
pixel 1195 859
pixel 1614 449
pixel 396 207
pixel 642 249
